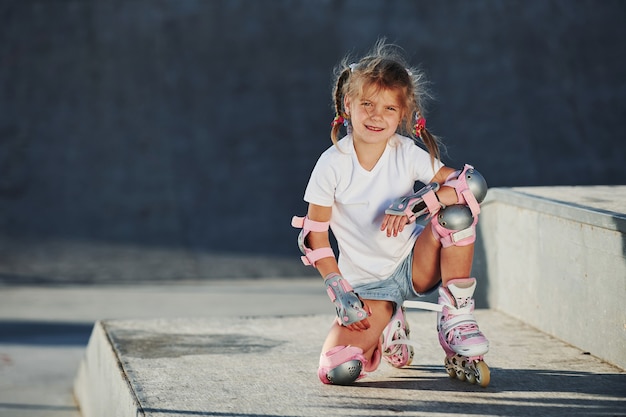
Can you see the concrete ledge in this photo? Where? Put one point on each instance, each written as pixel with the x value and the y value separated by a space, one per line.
pixel 268 367
pixel 102 387
pixel 555 257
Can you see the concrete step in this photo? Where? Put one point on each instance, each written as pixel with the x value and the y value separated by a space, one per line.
pixel 266 366
pixel 555 258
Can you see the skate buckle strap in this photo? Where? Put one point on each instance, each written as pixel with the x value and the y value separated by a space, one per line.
pixel 461 320
pixel 398 336
pixel 407 342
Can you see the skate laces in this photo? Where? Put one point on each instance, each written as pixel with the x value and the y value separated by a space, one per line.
pixel 466 331
pixel 459 322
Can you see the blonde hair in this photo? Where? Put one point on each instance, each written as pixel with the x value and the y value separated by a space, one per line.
pixel 385 68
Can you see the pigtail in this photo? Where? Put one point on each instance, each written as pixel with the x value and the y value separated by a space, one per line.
pixel 428 139
pixel 419 94
pixel 340 115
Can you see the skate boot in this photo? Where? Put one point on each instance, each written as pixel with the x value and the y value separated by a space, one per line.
pixel 459 335
pixel 397 348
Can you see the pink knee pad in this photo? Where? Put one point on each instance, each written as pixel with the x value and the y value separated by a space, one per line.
pixel 341 365
pixel 455 226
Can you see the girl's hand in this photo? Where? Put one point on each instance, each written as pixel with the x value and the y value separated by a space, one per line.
pixel 393 224
pixel 362 325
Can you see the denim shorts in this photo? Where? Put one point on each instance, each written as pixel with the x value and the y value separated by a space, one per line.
pixel 397 288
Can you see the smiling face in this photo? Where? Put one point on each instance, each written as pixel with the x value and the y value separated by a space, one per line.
pixel 375 115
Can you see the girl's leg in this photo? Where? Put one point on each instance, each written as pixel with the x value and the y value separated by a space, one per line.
pixel 458 330
pixel 346 353
pixel 367 340
pixel 432 262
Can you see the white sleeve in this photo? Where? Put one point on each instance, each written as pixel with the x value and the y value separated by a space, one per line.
pixel 322 185
pixel 424 170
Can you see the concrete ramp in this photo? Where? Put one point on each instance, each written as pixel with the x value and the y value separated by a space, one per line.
pixel 267 367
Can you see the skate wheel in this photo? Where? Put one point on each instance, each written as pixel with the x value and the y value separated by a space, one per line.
pixel 449 367
pixel 483 375
pixel 411 354
pixel 460 365
pixel 470 376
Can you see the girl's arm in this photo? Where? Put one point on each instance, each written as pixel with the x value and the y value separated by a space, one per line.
pixel 318 240
pixel 393 224
pixel 326 266
pixel 447 195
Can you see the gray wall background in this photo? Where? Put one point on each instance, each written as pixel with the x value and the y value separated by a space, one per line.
pixel 195 124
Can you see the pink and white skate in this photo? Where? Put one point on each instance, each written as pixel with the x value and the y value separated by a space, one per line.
pixel 459 335
pixel 396 346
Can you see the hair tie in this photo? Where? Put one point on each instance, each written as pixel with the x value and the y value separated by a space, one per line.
pixel 420 124
pixel 338 120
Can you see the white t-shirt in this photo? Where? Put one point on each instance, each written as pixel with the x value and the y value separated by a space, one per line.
pixel 359 198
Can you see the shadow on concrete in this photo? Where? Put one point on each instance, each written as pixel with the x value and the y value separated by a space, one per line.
pixel 209 413
pixel 42 333
pixel 537 392
pixel 591 393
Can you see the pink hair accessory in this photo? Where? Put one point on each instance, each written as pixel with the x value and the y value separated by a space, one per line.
pixel 420 125
pixel 338 120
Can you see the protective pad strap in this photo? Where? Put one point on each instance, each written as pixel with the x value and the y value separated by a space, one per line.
pixel 311 256
pixel 432 203
pixel 454 238
pixel 309 225
pixel 465 196
pixel 341 354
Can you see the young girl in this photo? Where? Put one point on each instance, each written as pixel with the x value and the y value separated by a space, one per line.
pixel 362 189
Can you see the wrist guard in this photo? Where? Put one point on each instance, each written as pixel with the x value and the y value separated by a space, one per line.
pixel 424 201
pixel 348 305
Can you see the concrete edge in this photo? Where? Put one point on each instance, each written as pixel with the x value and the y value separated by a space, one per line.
pixel 101 387
pixel 572 211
